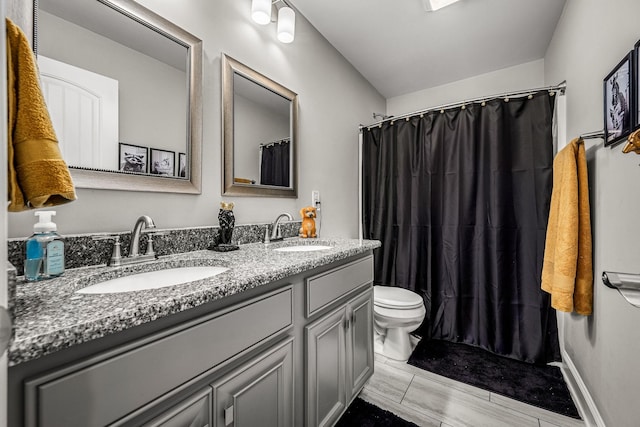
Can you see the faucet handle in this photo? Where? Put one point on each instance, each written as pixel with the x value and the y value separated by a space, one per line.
pixel 116 256
pixel 151 233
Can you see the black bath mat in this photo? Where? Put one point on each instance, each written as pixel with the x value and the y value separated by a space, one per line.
pixel 541 386
pixel 364 414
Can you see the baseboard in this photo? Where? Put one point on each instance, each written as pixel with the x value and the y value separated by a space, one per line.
pixel 580 393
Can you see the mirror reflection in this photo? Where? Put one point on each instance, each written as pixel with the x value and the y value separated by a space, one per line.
pixel 262 149
pixel 113 87
pixel 259 133
pixel 123 86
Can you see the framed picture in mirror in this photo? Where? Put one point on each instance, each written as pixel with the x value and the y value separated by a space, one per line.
pixel 132 158
pixel 618 101
pixel 162 162
pixel 182 165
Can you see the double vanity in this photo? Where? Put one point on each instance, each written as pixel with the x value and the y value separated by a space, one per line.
pixel 272 335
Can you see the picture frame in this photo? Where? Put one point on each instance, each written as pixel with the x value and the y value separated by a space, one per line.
pixel 182 165
pixel 162 162
pixel 636 81
pixel 618 105
pixel 132 158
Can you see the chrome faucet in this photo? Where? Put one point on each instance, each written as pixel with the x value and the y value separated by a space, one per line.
pixel 276 234
pixel 144 222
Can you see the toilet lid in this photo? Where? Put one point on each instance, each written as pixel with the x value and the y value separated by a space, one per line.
pixel 393 297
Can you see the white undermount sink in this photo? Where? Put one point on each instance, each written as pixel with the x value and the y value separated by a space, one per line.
pixel 303 248
pixel 153 280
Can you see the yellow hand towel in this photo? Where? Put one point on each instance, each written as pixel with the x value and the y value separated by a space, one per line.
pixel 567 272
pixel 38 176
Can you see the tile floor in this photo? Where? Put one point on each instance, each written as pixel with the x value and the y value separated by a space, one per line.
pixel 431 400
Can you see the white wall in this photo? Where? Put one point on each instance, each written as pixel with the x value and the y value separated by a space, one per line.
pixel 524 76
pixel 334 100
pixel 591 38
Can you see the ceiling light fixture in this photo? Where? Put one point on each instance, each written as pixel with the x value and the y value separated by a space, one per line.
pixel 286 24
pixel 433 5
pixel 261 13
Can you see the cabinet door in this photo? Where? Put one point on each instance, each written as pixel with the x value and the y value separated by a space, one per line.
pixel 360 342
pixel 258 393
pixel 326 369
pixel 193 412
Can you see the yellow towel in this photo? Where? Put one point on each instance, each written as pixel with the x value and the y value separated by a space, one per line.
pixel 38 176
pixel 567 272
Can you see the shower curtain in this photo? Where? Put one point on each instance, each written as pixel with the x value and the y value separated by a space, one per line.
pixel 460 200
pixel 274 164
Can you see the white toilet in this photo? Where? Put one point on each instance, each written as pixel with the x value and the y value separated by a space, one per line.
pixel 396 313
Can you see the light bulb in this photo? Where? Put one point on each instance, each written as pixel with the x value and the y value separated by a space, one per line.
pixel 261 11
pixel 286 24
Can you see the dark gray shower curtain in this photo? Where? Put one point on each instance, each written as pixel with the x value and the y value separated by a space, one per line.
pixel 460 201
pixel 274 169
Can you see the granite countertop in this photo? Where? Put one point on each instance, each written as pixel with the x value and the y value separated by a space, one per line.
pixel 50 316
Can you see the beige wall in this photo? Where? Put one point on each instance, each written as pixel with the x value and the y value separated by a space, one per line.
pixel 591 38
pixel 523 76
pixel 334 100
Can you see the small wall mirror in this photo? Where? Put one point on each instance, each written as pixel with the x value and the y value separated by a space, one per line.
pixel 259 131
pixel 123 88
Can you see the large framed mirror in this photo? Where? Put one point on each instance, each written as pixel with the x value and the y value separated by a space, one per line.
pixel 124 90
pixel 260 122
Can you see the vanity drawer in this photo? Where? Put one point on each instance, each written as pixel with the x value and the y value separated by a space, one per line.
pixel 112 387
pixel 324 288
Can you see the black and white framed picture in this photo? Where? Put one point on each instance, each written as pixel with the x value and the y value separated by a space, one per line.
pixel 182 165
pixel 132 158
pixel 162 162
pixel 636 81
pixel 618 101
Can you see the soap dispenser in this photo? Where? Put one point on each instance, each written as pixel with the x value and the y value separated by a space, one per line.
pixel 45 250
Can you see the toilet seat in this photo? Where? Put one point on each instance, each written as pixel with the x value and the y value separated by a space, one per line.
pixel 396 298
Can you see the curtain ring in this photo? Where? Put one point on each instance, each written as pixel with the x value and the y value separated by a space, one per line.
pixel 441 111
pixel 421 115
pixel 484 103
pixel 407 119
pixel 464 107
pixel 552 93
pixel 530 96
pixel 506 100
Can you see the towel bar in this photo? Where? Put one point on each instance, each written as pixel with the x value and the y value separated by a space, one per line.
pixel 628 284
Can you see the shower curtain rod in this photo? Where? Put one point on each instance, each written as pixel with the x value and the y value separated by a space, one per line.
pixel 279 141
pixel 560 88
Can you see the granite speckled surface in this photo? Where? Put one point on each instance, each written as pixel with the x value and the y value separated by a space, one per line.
pixel 50 316
pixel 82 250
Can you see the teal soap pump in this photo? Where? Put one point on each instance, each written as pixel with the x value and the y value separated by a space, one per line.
pixel 45 250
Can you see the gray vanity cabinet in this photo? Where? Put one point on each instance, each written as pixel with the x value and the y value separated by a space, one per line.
pixel 120 387
pixel 339 344
pixel 293 353
pixel 258 393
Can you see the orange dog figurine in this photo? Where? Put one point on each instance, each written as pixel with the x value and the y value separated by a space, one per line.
pixel 308 228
